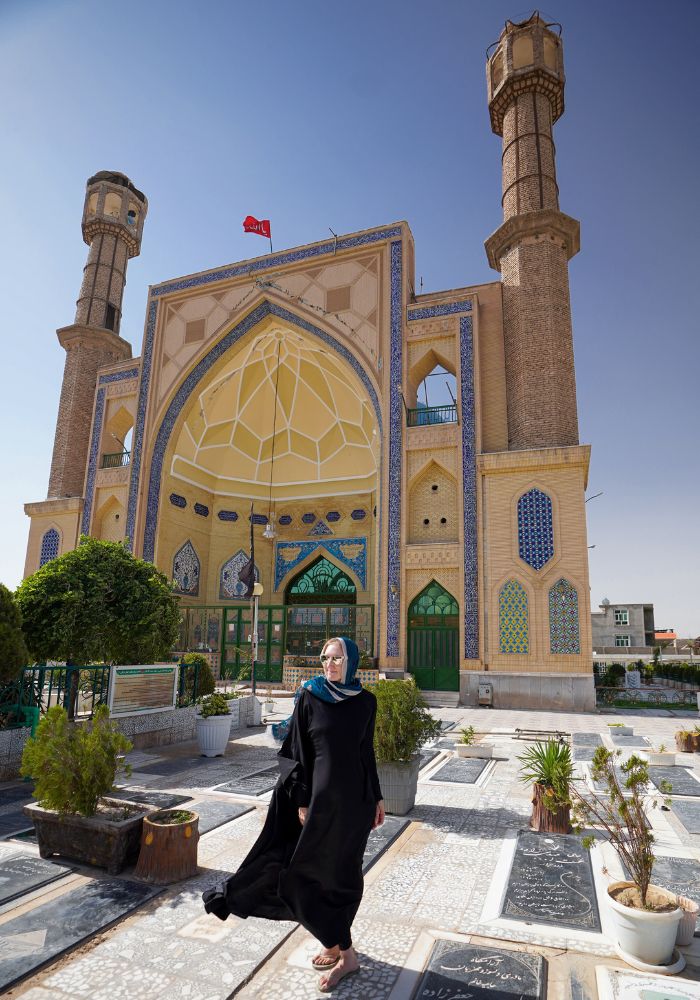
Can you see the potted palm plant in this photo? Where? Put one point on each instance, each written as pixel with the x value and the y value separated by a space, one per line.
pixel 550 769
pixel 74 767
pixel 468 746
pixel 213 725
pixel 645 916
pixel 402 727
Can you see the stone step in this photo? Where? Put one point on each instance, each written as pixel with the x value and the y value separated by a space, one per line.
pixel 441 699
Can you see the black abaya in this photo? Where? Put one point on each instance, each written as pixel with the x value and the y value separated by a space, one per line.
pixel 313 873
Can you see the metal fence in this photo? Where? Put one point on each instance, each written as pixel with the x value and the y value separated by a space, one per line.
pixel 432 415
pixel 116 460
pixel 654 697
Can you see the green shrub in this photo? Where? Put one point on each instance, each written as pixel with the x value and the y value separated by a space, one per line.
pixel 213 704
pixel 73 766
pixel 614 676
pixel 205 679
pixel 13 652
pixel 466 736
pixel 403 723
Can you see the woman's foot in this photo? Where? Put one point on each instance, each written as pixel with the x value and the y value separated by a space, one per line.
pixel 327 958
pixel 346 965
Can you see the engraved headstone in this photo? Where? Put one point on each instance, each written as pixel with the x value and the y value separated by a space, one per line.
pixel 460 770
pixel 633 679
pixel 444 744
pixel 381 839
pixel 586 740
pixel 427 755
pixel 22 873
pixel 163 800
pixel 682 780
pixel 583 753
pixel 630 741
pixel 551 882
pixel 251 784
pixel 688 813
pixel 457 971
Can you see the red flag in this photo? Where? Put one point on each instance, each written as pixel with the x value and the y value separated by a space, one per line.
pixel 259 226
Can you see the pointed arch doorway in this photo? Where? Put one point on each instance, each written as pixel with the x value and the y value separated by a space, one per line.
pixel 433 639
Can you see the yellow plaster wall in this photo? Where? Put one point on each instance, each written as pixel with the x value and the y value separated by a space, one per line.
pixel 503 478
pixel 63 515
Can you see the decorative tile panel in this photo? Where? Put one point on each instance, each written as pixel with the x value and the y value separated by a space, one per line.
pixel 177 501
pixel 93 460
pixel 471 593
pixel 332 516
pixel 50 545
pixel 258 518
pixel 320 528
pixel 351 552
pixel 513 624
pixel 284 520
pixel 227 515
pixel 535 528
pixel 186 570
pixel 189 386
pixel 308 518
pixel 230 586
pixel 358 515
pixel 201 509
pixel 564 633
pixel 443 309
pixel 393 583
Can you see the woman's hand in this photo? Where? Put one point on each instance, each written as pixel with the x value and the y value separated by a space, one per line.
pixel 302 814
pixel 379 815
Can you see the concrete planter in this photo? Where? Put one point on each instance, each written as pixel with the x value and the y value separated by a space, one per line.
pixel 660 759
pixel 94 840
pixel 642 935
pixel 399 783
pixel 620 730
pixel 481 750
pixel 212 735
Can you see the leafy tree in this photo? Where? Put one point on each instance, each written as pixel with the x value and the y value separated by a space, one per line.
pixel 98 604
pixel 13 651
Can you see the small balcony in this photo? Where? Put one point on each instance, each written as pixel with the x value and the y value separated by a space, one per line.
pixel 118 460
pixel 425 415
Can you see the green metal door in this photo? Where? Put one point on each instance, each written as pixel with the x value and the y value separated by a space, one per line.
pixel 238 627
pixel 433 639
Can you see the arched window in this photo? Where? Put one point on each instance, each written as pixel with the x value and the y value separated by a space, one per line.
pixel 321 583
pixel 433 601
pixel 435 398
pixel 186 569
pixel 563 618
pixel 535 528
pixel 50 544
pixel 513 624
pixel 113 205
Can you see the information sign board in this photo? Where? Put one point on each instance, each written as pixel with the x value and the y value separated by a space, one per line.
pixel 140 689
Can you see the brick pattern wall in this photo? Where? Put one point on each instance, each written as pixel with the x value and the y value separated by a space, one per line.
pixel 529 174
pixel 433 499
pixel 104 278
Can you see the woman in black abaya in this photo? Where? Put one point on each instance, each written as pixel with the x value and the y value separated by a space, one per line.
pixel 306 865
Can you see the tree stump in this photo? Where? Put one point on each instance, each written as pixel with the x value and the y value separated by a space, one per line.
pixel 168 846
pixel 543 820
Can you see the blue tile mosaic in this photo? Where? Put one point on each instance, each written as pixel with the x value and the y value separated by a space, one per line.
pixel 444 309
pixel 471 590
pixel 230 586
pixel 358 515
pixel 332 516
pixel 118 376
pixel 351 552
pixel 137 447
pixel 227 515
pixel 395 454
pixel 258 518
pixel 186 569
pixel 284 520
pixel 278 260
pixel 50 545
pixel 177 501
pixel 320 528
pixel 535 528
pixel 563 618
pixel 513 618
pixel 308 518
pixel 201 509
pixel 188 387
pixel 93 457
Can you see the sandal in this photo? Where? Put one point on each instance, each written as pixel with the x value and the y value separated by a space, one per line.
pixel 327 964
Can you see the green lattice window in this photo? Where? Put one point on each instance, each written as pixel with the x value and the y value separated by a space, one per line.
pixel 433 603
pixel 321 583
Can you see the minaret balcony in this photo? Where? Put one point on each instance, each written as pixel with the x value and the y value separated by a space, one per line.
pixel 428 415
pixel 117 460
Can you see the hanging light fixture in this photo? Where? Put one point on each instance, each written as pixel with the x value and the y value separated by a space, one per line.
pixel 269 531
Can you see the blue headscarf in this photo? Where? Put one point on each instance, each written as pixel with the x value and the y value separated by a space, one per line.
pixel 330 691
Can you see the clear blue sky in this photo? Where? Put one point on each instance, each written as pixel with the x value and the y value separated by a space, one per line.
pixel 319 113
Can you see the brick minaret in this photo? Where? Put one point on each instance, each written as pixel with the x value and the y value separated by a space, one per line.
pixel 112 226
pixel 525 78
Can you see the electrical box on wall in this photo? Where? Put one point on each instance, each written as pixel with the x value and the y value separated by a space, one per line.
pixel 486 694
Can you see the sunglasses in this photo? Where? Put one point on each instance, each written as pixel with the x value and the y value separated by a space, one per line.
pixel 325 658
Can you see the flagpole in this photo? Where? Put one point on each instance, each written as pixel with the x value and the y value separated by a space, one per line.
pixel 270 244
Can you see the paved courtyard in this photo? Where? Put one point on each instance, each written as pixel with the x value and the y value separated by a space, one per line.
pixel 445 885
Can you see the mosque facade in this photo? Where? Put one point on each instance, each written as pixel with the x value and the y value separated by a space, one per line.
pixel 291 390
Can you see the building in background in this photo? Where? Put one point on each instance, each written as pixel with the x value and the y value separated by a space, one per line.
pixel 450 540
pixel 627 628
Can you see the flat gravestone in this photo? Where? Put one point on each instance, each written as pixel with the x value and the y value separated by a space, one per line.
pixel 251 784
pixel 174 765
pixel 12 821
pixel 37 936
pixel 457 971
pixel 551 882
pixel 689 815
pixel 444 745
pixel 583 753
pixel 212 813
pixel 444 726
pixel 163 800
pixel 427 755
pixel 460 770
pixel 680 778
pixel 16 793
pixel 22 873
pixel 679 875
pixel 630 741
pixel 382 838
pixel 600 785
pixel 621 984
pixel 586 740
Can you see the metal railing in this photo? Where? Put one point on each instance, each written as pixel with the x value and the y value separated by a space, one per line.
pixel 79 689
pixel 654 697
pixel 425 415
pixel 117 460
pixel 187 684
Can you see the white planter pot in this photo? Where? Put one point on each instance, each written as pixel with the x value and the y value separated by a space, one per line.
pixel 621 730
pixel 686 928
pixel 213 734
pixel 642 934
pixel 268 707
pixel 661 759
pixel 482 750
